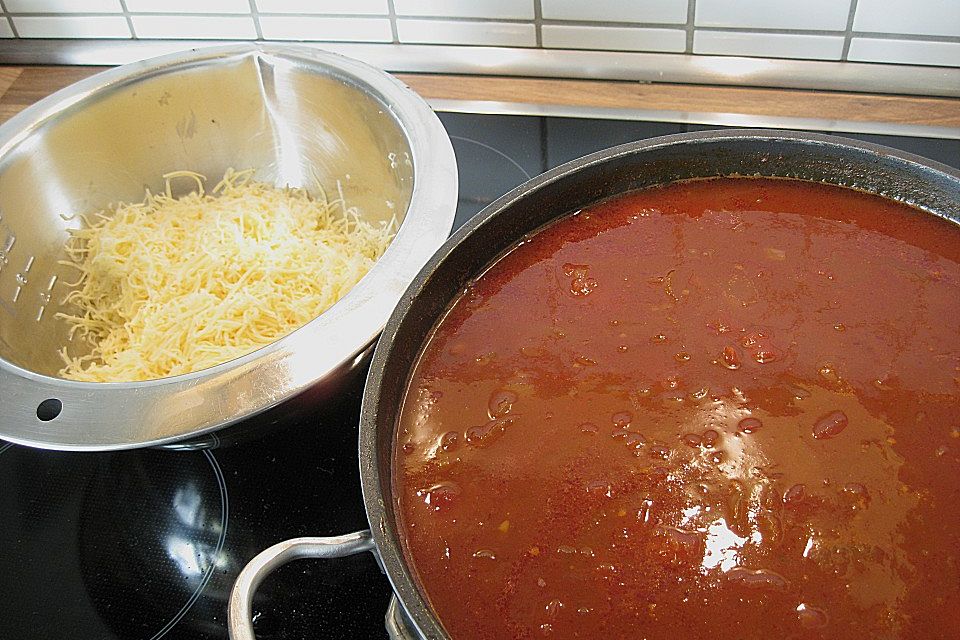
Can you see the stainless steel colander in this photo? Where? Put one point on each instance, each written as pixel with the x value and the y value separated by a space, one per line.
pixel 289 112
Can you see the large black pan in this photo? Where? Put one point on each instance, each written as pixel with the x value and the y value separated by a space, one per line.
pixel 929 185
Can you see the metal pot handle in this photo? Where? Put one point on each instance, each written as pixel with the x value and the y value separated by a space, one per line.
pixel 240 607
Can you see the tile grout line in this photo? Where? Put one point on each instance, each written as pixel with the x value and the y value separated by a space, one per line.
pixel 392 15
pixel 848 32
pixel 6 15
pixel 128 18
pixel 688 27
pixel 538 22
pixel 255 14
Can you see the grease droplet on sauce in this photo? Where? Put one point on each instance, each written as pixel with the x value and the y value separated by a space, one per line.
pixel 749 425
pixel 830 425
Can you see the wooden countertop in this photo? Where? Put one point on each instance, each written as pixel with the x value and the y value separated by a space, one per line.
pixel 22 86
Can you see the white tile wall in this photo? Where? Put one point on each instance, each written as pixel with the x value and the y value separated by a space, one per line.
pixel 326 29
pixel 74 27
pixel 63 6
pixel 189 6
pixel 945 54
pixel 773 14
pixel 503 9
pixel 497 34
pixel 195 27
pixel 327 6
pixel 920 17
pixel 614 38
pixel 880 31
pixel 654 11
pixel 769 45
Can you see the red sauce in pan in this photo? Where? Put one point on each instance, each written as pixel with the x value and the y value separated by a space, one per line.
pixel 719 409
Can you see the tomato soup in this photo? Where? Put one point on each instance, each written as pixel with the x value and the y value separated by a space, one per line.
pixel 718 409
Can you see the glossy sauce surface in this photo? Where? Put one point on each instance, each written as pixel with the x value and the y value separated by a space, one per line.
pixel 718 409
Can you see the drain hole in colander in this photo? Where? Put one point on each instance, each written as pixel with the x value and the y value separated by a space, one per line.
pixel 49 409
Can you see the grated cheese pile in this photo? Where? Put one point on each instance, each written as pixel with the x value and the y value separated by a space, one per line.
pixel 174 285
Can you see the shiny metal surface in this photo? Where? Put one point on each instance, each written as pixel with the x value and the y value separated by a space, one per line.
pixel 239 608
pixel 548 63
pixel 286 111
pixel 398 623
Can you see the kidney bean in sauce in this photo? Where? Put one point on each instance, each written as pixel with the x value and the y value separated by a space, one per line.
pixel 795 474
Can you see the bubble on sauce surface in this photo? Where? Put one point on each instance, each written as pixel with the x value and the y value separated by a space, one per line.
pixel 685 545
pixel 729 358
pixel 635 441
pixel 581 284
pixel 829 373
pixel 710 438
pixel 856 494
pixel 811 617
pixel 481 435
pixel 758 578
pixel 699 394
pixel 692 440
pixel 621 419
pixel 795 495
pixel 830 425
pixel 588 428
pixel 553 608
pixel 749 425
pixel 500 403
pixel 659 450
pixel 599 488
pixel 449 441
pixel 440 495
pixel 764 356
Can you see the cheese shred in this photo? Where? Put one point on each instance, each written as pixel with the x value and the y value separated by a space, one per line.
pixel 174 285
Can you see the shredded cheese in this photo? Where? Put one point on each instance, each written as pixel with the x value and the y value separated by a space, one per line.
pixel 174 285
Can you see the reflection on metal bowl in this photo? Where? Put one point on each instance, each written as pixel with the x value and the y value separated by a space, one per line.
pixel 290 113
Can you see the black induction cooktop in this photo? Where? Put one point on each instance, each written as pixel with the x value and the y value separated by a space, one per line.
pixel 146 544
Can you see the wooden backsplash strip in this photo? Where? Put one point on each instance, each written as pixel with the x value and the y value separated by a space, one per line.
pixel 942 112
pixel 22 86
